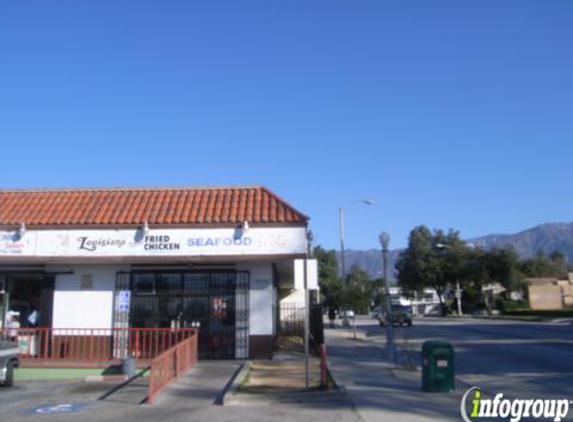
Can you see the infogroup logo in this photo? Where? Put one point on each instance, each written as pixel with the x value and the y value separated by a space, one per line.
pixel 475 406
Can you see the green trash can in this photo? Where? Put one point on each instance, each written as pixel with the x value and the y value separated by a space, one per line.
pixel 438 371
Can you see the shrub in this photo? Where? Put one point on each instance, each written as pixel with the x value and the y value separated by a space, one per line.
pixel 512 305
pixel 564 313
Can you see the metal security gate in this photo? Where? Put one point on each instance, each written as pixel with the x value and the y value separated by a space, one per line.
pixel 242 316
pixel 214 302
pixel 290 330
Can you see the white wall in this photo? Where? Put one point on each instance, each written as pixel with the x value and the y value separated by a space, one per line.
pixel 76 308
pixel 260 298
pixel 311 273
pixel 295 297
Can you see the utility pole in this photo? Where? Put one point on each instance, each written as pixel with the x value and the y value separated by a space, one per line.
pixel 384 242
pixel 341 228
pixel 459 297
pixel 307 316
pixel 364 201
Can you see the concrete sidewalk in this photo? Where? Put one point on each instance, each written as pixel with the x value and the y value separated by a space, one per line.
pixel 378 390
pixel 201 386
pixel 264 376
pixel 195 392
pixel 282 381
pixel 192 397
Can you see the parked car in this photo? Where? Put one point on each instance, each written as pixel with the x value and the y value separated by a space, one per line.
pixel 435 311
pixel 347 313
pixel 401 315
pixel 375 312
pixel 8 361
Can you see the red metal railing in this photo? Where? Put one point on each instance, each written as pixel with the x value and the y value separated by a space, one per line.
pixel 170 364
pixel 96 344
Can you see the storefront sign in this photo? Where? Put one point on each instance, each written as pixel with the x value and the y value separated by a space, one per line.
pixel 219 241
pixel 12 244
pixel 92 244
pixel 157 242
pixel 160 243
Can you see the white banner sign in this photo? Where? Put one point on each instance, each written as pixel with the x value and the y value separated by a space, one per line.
pixel 311 274
pixel 157 242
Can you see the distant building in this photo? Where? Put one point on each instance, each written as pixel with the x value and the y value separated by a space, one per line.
pixel 550 293
pixel 422 304
pixel 220 259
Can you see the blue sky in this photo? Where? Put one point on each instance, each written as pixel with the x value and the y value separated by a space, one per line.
pixel 449 113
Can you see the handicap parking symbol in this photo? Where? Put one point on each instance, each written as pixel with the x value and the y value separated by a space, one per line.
pixel 50 409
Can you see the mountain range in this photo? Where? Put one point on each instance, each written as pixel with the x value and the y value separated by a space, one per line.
pixel 547 237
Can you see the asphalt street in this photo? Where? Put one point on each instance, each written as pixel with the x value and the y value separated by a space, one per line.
pixel 518 359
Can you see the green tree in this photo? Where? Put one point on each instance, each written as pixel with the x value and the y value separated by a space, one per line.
pixel 454 255
pixel 441 259
pixel 329 282
pixel 435 259
pixel 420 264
pixel 377 292
pixel 494 266
pixel 357 291
pixel 541 266
pixel 480 274
pixel 559 261
pixel 504 268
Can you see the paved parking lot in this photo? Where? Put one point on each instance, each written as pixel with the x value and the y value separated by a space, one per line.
pixel 25 397
pixel 522 360
pixel 190 398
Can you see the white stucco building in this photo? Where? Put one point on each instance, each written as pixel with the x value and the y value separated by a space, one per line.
pixel 221 259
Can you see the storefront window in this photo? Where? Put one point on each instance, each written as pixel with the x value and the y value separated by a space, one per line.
pixel 143 283
pixel 168 283
pixel 29 297
pixel 196 283
pixel 205 300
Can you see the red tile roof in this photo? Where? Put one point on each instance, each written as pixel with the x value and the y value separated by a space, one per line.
pixel 157 206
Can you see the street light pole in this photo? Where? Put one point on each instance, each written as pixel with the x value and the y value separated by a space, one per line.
pixel 459 297
pixel 307 315
pixel 364 201
pixel 384 242
pixel 341 227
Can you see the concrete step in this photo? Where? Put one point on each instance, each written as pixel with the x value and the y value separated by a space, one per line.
pixel 296 396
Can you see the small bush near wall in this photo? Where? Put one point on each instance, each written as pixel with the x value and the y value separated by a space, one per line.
pixel 506 306
pixel 565 313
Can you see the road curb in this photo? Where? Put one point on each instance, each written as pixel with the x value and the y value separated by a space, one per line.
pixel 232 397
pixel 302 396
pixel 349 333
pixel 338 382
pixel 532 319
pixel 229 395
